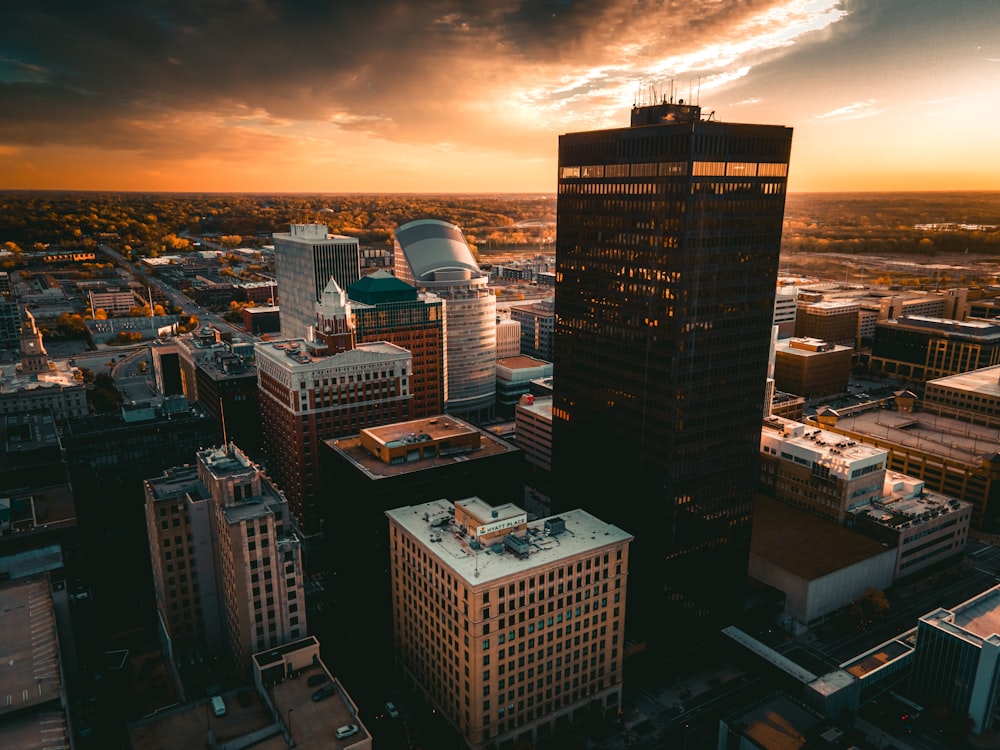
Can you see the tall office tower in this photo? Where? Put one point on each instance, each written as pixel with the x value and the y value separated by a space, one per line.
pixel 666 265
pixel 434 256
pixel 304 260
pixel 388 309
pixel 324 387
pixel 227 563
pixel 508 626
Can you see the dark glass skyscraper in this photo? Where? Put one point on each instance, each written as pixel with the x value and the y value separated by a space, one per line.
pixel 666 263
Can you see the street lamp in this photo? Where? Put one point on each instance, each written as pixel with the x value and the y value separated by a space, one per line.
pixel 291 740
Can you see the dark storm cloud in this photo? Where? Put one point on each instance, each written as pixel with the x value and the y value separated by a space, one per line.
pixel 90 72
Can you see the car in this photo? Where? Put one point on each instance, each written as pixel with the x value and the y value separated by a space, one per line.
pixel 346 731
pixel 390 708
pixel 317 679
pixel 218 705
pixel 323 692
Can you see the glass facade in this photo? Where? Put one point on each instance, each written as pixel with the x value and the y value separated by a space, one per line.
pixel 303 266
pixel 666 260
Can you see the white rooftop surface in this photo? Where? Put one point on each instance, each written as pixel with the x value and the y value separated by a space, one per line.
pixel 985 381
pixel 958 440
pixel 978 617
pixel 785 346
pixel 817 445
pixel 298 352
pixel 542 406
pixel 832 304
pixel 958 324
pixel 584 533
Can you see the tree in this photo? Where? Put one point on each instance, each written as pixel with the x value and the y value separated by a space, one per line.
pixel 71 325
pixel 100 314
pixel 103 395
pixel 874 603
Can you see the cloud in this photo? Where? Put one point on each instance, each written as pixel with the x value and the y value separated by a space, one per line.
pixel 853 111
pixel 180 76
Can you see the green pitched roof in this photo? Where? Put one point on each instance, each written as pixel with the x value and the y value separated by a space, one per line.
pixel 380 287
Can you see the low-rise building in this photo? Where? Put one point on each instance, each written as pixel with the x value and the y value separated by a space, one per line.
pixel 923 348
pixel 954 457
pixel 969 396
pixel 34 713
pixel 811 367
pixel 36 383
pixel 820 566
pixel 819 471
pixel 924 527
pixel 283 711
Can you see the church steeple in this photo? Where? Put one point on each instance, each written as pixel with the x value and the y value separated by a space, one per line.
pixel 34 358
pixel 334 319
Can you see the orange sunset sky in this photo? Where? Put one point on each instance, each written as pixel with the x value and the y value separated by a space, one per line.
pixel 471 96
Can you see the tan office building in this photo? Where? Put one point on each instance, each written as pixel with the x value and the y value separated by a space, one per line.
pixel 508 626
pixel 227 562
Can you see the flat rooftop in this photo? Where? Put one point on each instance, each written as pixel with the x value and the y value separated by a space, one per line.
pixel 931 433
pixel 808 347
pixel 29 654
pixel 808 444
pixel 188 725
pixel 293 352
pixel 979 329
pixel 350 448
pixel 806 544
pixel 880 656
pixel 985 381
pixel 541 406
pixel 439 427
pixel 314 723
pixel 521 362
pixel 981 614
pixel 909 500
pixel 429 523
pixel 778 722
pixel 24 433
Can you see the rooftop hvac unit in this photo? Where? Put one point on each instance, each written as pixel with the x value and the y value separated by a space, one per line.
pixel 555 526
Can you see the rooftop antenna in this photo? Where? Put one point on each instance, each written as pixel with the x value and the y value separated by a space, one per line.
pixel 222 413
pixel 699 91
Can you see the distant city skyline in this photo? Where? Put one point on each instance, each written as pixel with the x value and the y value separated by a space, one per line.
pixel 472 96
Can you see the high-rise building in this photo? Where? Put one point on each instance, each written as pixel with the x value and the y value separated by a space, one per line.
pixel 388 309
pixel 227 562
pixel 666 260
pixel 304 260
pixel 324 387
pixel 522 622
pixel 434 256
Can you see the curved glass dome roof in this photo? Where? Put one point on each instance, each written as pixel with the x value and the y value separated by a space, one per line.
pixel 431 245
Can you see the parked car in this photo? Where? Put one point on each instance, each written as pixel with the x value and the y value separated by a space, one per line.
pixel 346 731
pixel 390 708
pixel 218 706
pixel 317 679
pixel 323 692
